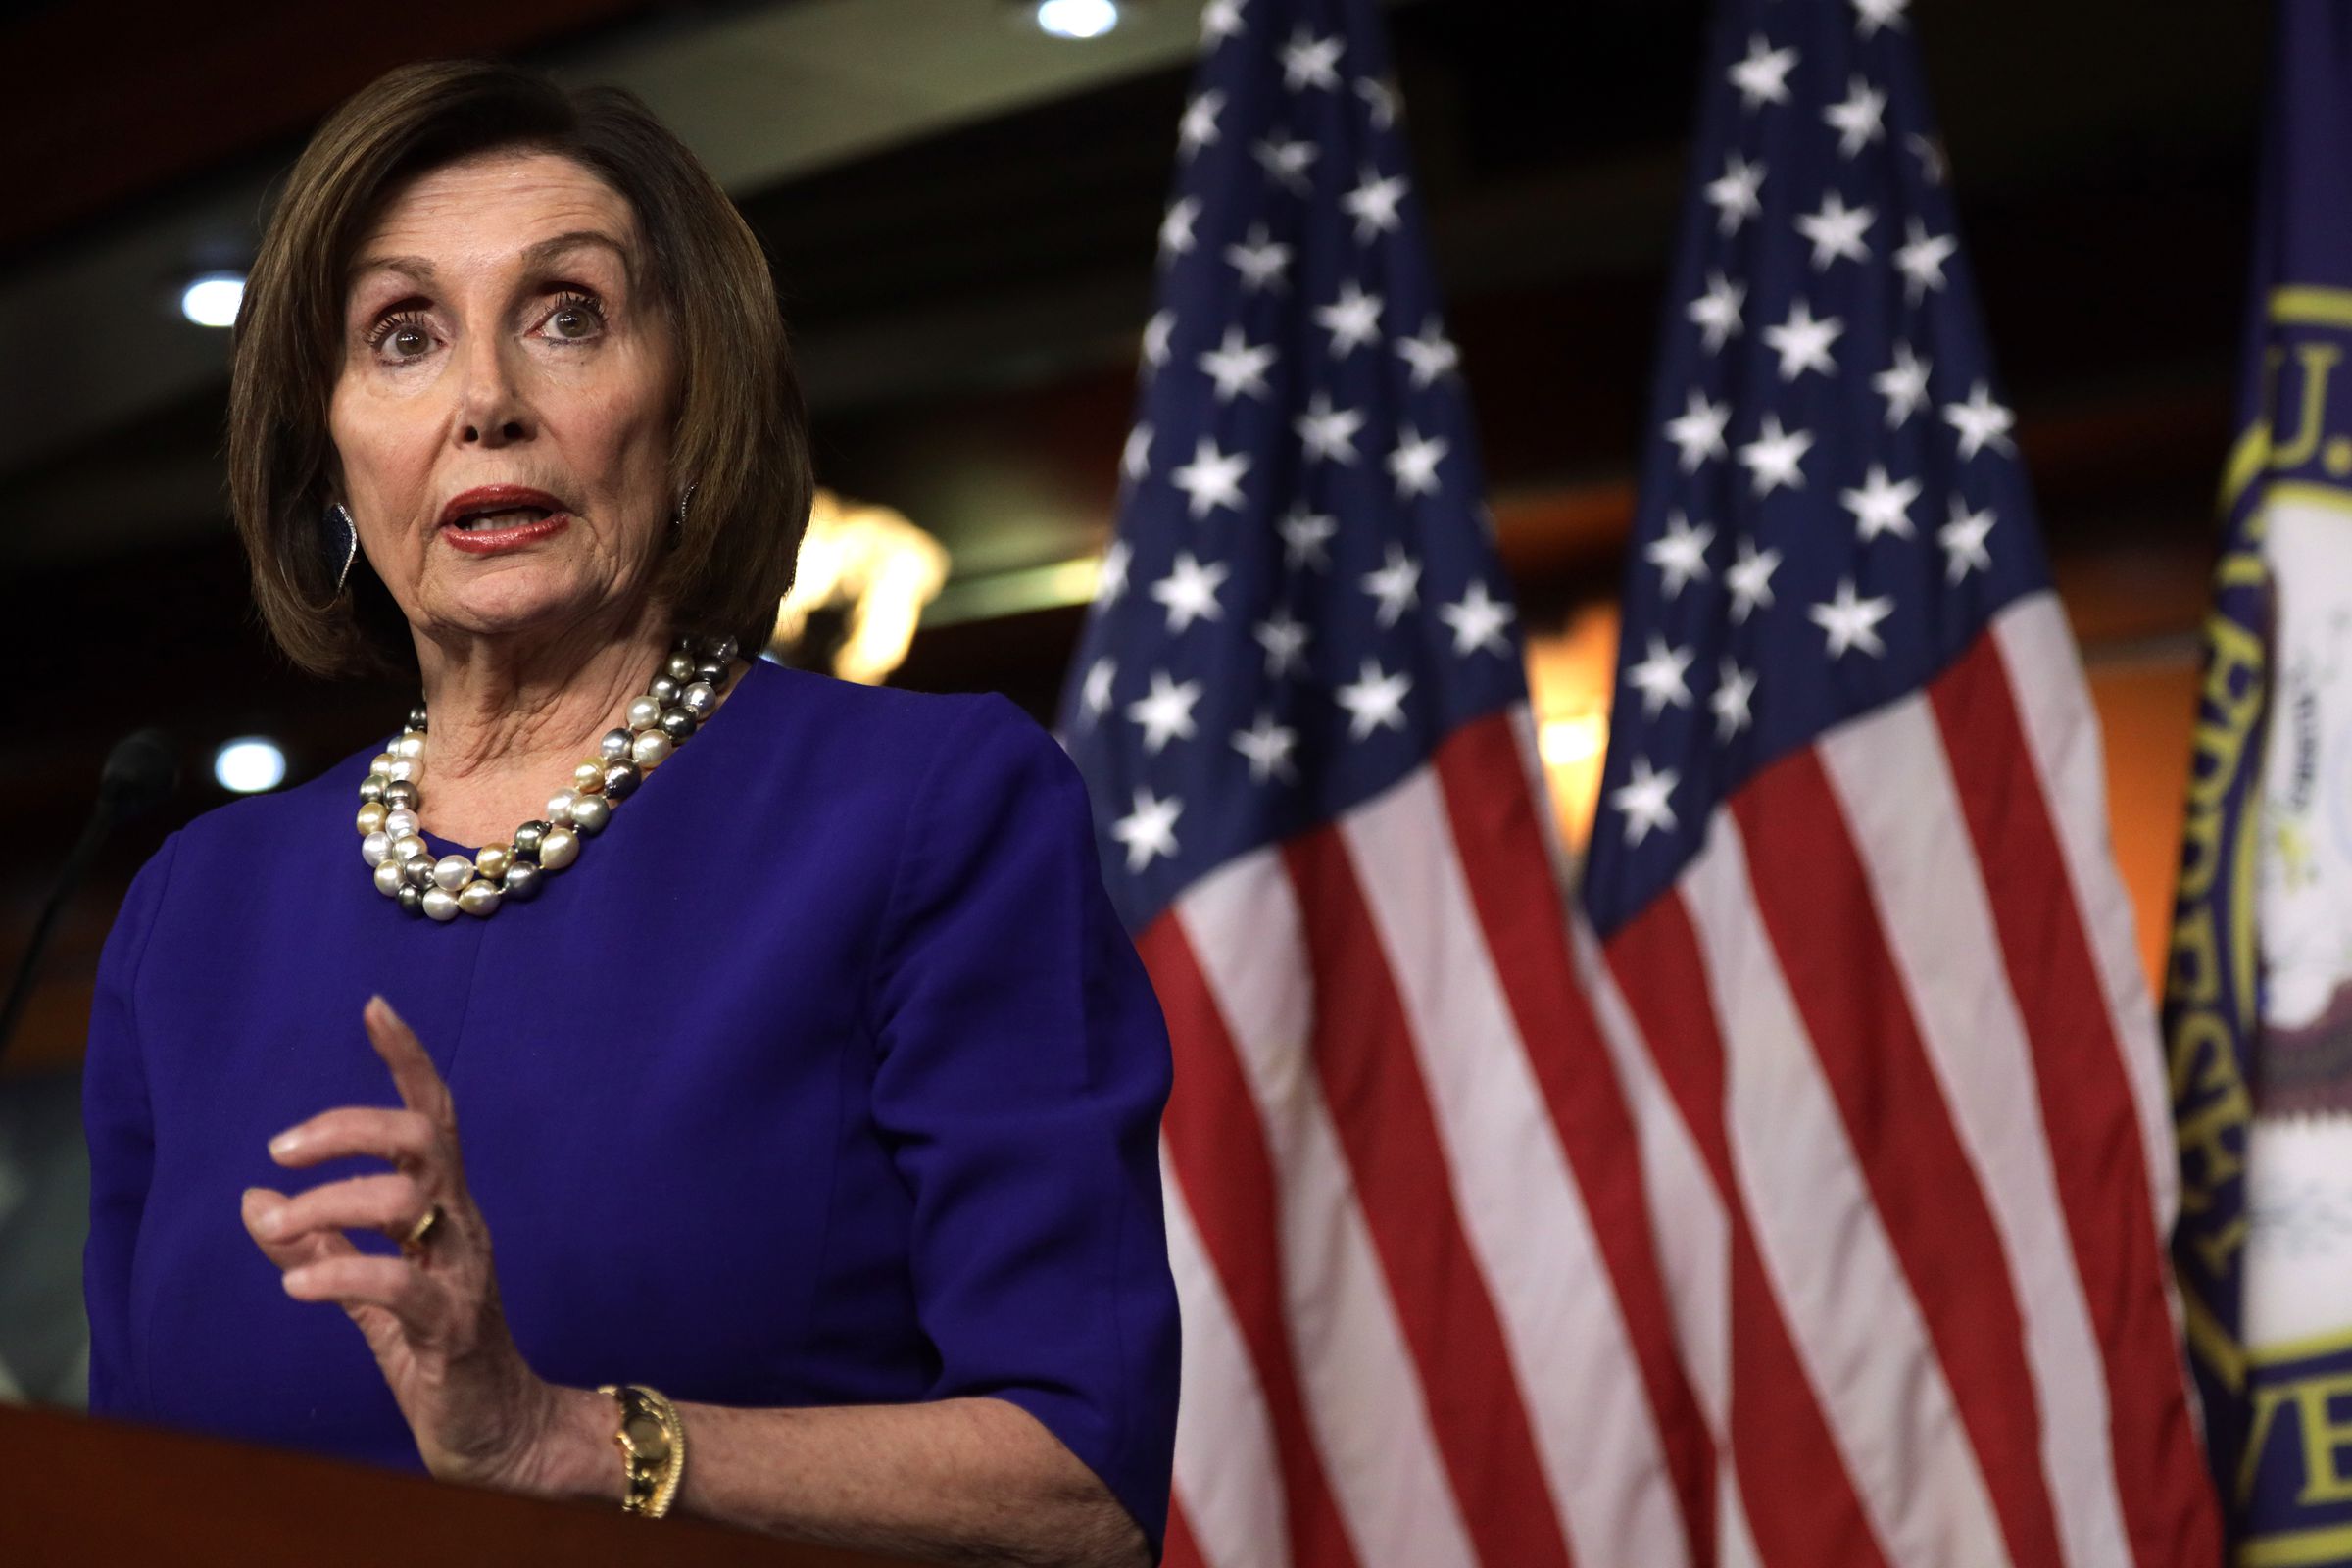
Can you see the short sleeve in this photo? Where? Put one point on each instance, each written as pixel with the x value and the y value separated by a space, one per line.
pixel 1024 1068
pixel 121 1135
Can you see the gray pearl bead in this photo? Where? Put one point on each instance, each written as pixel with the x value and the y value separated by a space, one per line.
pixel 527 840
pixel 590 813
pixel 522 881
pixel 418 870
pixel 664 689
pixel 371 788
pixel 402 794
pixel 676 724
pixel 417 718
pixel 719 650
pixel 411 900
pixel 440 903
pixel 620 779
pixel 698 699
pixel 615 744
pixel 711 670
pixel 680 666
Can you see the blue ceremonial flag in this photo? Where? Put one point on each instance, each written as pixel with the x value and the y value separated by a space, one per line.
pixel 2258 1004
pixel 1851 879
pixel 1424 1323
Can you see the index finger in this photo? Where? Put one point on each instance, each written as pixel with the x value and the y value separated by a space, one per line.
pixel 412 1071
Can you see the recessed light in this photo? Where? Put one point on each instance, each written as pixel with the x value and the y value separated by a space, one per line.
pixel 250 764
pixel 1077 18
pixel 212 300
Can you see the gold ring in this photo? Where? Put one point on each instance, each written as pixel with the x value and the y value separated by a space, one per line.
pixel 423 1230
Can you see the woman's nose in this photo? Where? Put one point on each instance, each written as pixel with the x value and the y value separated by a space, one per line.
pixel 492 408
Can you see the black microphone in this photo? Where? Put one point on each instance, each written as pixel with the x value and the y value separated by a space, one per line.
pixel 141 773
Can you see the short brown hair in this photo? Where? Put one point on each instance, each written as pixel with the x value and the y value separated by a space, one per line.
pixel 742 437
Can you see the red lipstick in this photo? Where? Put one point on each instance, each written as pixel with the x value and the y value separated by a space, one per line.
pixel 489 499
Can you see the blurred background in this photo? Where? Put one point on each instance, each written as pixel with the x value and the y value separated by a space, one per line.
pixel 962 209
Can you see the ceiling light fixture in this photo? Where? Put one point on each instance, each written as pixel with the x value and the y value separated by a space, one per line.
pixel 250 764
pixel 1077 18
pixel 212 300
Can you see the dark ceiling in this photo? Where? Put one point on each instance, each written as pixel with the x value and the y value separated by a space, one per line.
pixel 967 305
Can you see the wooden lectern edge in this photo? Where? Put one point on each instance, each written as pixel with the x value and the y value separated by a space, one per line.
pixel 80 1489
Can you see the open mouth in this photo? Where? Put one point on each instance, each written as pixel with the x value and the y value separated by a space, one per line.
pixel 502 518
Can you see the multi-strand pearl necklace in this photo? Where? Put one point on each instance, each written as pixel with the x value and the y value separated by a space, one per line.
pixel 392 839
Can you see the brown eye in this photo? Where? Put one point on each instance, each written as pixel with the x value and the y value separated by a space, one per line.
pixel 573 322
pixel 409 341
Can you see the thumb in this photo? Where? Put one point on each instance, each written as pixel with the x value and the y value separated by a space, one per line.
pixel 301 1249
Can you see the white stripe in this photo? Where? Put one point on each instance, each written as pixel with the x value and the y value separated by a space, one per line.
pixel 1855 1325
pixel 2053 703
pixel 1889 773
pixel 1356 1374
pixel 1522 1213
pixel 1227 1473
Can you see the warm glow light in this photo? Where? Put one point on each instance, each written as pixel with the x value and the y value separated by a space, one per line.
pixel 213 299
pixel 250 764
pixel 1570 671
pixel 1567 742
pixel 1077 18
pixel 878 564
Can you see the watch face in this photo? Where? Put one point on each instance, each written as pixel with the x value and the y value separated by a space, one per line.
pixel 644 1439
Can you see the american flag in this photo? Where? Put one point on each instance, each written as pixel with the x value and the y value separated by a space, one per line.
pixel 1864 959
pixel 1423 1321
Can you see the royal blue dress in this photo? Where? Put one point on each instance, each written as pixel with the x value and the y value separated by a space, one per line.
pixel 826 1075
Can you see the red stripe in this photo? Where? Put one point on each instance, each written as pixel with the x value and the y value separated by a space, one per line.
pixel 2088 1108
pixel 1222 1163
pixel 1363 1054
pixel 1814 898
pixel 1801 1505
pixel 1182 1549
pixel 1508 870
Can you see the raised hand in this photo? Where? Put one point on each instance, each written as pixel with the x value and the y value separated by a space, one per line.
pixel 431 1315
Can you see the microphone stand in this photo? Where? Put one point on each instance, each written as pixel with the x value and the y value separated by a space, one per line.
pixel 140 771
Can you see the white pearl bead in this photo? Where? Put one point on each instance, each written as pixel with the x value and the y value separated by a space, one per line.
pixel 559 808
pixel 452 871
pixel 388 879
pixel 401 823
pixel 409 745
pixel 644 710
pixel 440 903
pixel 401 769
pixel 406 848
pixel 558 848
pixel 383 763
pixel 375 847
pixel 649 747
pixel 480 899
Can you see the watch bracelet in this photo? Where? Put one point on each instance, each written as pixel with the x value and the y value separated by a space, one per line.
pixel 650 1485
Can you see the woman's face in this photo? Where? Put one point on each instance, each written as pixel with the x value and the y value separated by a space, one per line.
pixel 495 334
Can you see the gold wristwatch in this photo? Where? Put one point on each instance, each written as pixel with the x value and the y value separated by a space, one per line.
pixel 653 1445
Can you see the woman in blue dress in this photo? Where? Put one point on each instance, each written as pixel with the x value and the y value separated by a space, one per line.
pixel 796 1058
